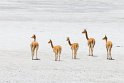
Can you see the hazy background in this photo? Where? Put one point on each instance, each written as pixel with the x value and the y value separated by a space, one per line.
pixel 56 20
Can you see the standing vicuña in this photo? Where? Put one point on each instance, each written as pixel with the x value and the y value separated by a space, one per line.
pixel 108 47
pixel 74 48
pixel 91 42
pixel 56 49
pixel 34 46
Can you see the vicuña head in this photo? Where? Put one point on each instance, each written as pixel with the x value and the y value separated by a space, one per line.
pixel 50 41
pixel 67 39
pixel 33 36
pixel 85 31
pixel 105 37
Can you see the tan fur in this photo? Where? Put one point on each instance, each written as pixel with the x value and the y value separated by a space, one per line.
pixel 34 47
pixel 74 48
pixel 108 47
pixel 90 41
pixel 56 49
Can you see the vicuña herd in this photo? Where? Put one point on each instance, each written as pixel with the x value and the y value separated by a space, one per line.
pixel 74 47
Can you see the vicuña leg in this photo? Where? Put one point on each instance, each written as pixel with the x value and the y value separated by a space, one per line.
pixel 76 53
pixel 36 52
pixel 89 51
pixel 107 53
pixel 33 49
pixel 110 53
pixel 59 56
pixel 72 54
pixel 56 57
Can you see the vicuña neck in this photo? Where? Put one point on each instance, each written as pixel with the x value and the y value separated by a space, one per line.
pixel 86 36
pixel 34 39
pixel 69 42
pixel 52 45
pixel 106 40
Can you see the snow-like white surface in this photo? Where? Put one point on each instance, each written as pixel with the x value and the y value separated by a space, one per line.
pixel 56 20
